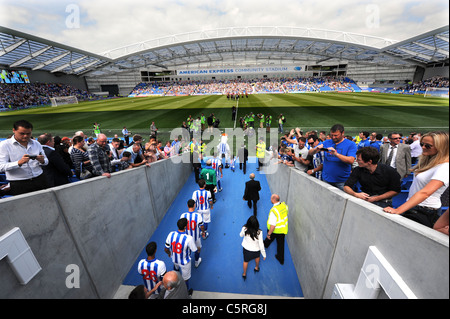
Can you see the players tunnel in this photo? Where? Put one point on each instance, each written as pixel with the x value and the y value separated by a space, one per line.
pixel 81 240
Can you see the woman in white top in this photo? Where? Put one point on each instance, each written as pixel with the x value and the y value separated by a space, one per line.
pixel 431 178
pixel 253 244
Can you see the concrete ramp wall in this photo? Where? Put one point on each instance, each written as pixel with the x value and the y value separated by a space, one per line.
pixel 95 229
pixel 99 226
pixel 330 233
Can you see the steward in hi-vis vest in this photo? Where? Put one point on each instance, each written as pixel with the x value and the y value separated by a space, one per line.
pixel 260 153
pixel 277 226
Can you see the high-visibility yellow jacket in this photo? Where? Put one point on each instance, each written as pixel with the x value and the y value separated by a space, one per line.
pixel 281 213
pixel 260 150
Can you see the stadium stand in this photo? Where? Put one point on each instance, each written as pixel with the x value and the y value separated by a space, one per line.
pixel 255 86
pixel 413 88
pixel 17 96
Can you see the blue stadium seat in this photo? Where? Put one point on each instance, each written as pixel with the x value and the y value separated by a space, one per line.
pixel 3 178
pixel 406 185
pixel 407 181
pixel 400 198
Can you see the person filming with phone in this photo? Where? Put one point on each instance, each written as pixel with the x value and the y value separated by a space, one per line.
pixel 22 159
pixel 339 155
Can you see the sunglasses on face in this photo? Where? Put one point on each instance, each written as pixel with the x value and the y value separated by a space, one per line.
pixel 427 146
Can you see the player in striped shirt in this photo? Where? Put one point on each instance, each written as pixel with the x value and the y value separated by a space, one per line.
pixel 151 269
pixel 223 149
pixel 216 164
pixel 195 228
pixel 179 246
pixel 204 204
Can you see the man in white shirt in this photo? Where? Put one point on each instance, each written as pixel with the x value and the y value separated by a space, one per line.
pixel 301 154
pixel 416 149
pixel 22 159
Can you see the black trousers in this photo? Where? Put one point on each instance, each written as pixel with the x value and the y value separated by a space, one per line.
pixel 243 164
pixel 29 185
pixel 255 209
pixel 422 215
pixel 260 163
pixel 210 187
pixel 280 245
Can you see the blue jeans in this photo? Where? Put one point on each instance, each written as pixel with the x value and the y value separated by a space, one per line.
pixel 339 185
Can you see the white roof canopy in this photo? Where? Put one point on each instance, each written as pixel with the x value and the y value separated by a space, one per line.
pixel 227 46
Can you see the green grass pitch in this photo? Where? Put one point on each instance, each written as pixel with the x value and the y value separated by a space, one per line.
pixel 378 112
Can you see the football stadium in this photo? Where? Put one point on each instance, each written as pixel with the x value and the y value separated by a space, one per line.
pixel 100 154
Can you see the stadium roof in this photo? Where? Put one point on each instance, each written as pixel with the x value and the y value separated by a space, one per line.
pixel 228 46
pixel 23 51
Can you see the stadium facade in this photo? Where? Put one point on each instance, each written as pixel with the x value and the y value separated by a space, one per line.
pixel 231 53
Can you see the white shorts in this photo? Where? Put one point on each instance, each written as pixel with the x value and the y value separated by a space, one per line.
pixel 206 215
pixel 185 270
pixel 198 242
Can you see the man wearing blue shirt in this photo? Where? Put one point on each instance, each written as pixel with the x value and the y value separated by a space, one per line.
pixel 365 140
pixel 339 155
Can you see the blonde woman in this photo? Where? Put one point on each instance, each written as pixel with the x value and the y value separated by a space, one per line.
pixel 431 178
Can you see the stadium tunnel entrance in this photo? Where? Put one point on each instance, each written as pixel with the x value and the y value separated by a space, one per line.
pixel 221 268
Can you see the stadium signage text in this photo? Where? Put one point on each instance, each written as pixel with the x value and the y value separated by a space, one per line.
pixel 255 70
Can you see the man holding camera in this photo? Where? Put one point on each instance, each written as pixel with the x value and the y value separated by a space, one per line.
pixel 22 159
pixel 339 155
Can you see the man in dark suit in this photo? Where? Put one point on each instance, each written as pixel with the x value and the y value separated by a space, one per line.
pixel 251 193
pixel 243 158
pixel 57 171
pixel 396 155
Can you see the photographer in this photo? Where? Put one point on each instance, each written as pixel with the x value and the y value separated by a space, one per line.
pixel 22 159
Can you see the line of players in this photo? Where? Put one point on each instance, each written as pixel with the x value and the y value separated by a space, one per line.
pixel 192 227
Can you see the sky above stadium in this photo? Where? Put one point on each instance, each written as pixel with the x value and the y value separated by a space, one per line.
pixel 101 25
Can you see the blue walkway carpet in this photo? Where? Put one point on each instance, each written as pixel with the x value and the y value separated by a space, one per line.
pixel 221 267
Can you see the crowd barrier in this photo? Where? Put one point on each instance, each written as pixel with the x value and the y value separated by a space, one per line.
pixel 86 235
pixel 330 233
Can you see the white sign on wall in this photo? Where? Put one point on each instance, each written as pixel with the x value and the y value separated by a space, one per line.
pixel 15 248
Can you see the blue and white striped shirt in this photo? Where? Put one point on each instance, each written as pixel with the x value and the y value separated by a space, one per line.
pixel 202 198
pixel 215 163
pixel 152 272
pixel 181 246
pixel 317 161
pixel 223 148
pixel 194 222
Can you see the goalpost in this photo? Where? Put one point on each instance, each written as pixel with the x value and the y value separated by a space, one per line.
pixel 62 100
pixel 436 92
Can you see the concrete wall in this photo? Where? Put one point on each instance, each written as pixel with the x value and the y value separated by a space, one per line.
pixel 330 233
pixel 101 225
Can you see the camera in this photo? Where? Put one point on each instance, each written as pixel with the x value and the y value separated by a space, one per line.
pixel 324 149
pixel 32 157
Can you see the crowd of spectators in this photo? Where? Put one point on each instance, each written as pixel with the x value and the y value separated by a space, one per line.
pixel 376 168
pixel 15 96
pixel 422 86
pixel 369 166
pixel 244 86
